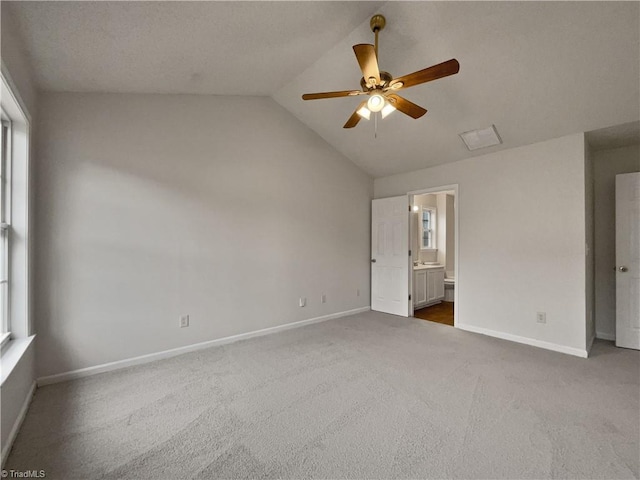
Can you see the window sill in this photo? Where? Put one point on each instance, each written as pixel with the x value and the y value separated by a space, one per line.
pixel 12 352
pixel 4 338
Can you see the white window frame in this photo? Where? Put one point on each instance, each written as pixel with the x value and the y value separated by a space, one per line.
pixel 433 214
pixel 19 327
pixel 5 227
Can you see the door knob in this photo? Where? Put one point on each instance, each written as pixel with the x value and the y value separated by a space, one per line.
pixel 373 260
pixel 623 269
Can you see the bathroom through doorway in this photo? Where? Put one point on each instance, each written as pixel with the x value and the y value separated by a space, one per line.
pixel 433 234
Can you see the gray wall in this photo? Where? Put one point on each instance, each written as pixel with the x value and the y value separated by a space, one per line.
pixel 446 232
pixel 521 239
pixel 606 165
pixel 152 206
pixel 450 261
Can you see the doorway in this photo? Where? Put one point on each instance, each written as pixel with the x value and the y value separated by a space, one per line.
pixel 433 235
pixel 395 288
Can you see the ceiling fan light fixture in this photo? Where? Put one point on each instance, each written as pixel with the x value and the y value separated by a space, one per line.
pixel 387 110
pixel 376 103
pixel 381 86
pixel 364 112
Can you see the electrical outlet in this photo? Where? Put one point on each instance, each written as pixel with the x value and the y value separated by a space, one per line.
pixel 323 298
pixel 303 301
pixel 184 321
pixel 541 317
pixel 357 292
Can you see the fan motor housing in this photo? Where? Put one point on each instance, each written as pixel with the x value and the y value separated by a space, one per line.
pixel 385 79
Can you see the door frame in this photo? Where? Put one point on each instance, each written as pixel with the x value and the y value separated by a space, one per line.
pixel 456 222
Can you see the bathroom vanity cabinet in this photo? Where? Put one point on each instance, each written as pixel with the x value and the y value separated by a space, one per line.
pixel 428 285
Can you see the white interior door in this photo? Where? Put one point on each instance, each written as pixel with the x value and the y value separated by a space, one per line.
pixel 628 260
pixel 390 255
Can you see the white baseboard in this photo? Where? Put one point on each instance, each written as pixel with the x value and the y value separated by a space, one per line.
pixel 527 341
pixel 18 423
pixel 108 367
pixel 606 336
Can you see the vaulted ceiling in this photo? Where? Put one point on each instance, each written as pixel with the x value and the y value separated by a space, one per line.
pixel 537 70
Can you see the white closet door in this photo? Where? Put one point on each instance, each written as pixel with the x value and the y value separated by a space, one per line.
pixel 628 260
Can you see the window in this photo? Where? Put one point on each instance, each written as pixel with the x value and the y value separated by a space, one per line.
pixel 5 215
pixel 14 217
pixel 428 228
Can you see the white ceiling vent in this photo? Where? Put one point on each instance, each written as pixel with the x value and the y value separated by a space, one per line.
pixel 485 137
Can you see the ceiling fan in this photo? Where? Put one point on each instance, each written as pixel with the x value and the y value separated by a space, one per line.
pixel 380 86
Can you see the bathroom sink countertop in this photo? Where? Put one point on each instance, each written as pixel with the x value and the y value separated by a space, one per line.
pixel 425 267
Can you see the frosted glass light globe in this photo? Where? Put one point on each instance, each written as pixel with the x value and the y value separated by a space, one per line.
pixel 375 103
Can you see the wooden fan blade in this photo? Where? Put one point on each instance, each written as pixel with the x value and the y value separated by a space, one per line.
pixel 366 55
pixel 343 93
pixel 444 69
pixel 355 118
pixel 405 106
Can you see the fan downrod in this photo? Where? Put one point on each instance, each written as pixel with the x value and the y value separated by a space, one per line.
pixel 377 23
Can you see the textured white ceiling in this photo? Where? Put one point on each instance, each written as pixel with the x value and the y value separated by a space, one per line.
pixel 222 48
pixel 537 70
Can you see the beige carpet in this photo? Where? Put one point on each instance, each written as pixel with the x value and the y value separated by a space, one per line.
pixel 367 396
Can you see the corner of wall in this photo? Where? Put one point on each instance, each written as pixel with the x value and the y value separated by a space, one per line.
pixel 589 245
